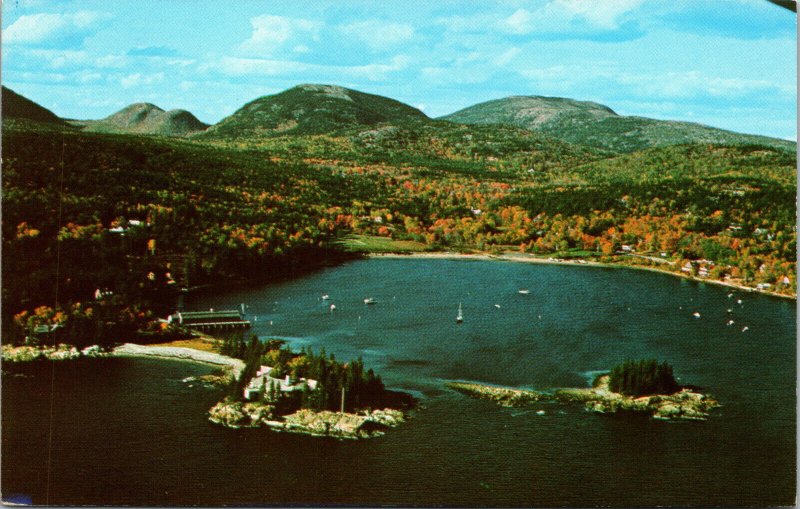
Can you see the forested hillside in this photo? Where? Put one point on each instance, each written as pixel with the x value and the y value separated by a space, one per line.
pixel 143 217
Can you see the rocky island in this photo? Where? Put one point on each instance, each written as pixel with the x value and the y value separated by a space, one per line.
pixel 305 392
pixel 642 386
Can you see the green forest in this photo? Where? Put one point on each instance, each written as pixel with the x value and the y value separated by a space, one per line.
pixel 643 378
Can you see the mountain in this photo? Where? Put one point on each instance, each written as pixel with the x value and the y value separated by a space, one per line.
pixel 312 109
pixel 146 118
pixel 17 106
pixel 594 125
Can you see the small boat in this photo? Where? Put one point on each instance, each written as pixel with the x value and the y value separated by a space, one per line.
pixel 460 315
pixel 524 291
pixel 746 328
pixel 540 412
pixel 730 310
pixel 497 306
pixel 730 322
pixel 738 301
pixel 333 308
pixel 696 314
pixel 730 295
pixel 369 300
pixel 326 297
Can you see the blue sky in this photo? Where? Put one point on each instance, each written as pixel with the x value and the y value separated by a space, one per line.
pixel 726 63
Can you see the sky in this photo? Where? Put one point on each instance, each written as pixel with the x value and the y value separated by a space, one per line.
pixel 724 63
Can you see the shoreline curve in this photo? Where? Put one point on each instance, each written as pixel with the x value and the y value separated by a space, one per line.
pixel 527 258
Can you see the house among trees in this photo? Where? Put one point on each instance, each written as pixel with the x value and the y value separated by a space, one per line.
pixel 44 331
pixel 103 294
pixel 229 318
pixel 263 383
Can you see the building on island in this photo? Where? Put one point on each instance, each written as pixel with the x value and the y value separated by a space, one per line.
pixel 262 382
pixel 229 318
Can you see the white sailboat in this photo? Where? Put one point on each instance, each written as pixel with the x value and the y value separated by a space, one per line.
pixel 460 315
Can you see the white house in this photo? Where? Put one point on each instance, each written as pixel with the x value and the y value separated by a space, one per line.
pixel 261 382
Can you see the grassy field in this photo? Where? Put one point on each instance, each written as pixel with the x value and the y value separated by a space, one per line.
pixel 204 343
pixel 375 244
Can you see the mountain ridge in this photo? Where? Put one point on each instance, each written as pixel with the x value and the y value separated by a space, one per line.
pixel 18 106
pixel 146 118
pixel 595 125
pixel 313 109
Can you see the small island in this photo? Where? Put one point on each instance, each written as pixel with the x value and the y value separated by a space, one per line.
pixel 306 392
pixel 644 386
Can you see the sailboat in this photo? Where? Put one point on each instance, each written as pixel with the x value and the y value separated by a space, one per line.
pixel 460 315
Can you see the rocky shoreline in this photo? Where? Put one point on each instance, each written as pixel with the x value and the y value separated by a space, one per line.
pixel 236 414
pixel 63 352
pixel 682 405
pixel 59 352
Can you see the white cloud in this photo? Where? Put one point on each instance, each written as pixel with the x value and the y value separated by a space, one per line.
pixel 48 28
pixel 240 67
pixel 115 61
pixel 179 62
pixel 568 15
pixel 58 59
pixel 518 23
pixel 138 79
pixel 694 83
pixel 271 32
pixel 379 35
pixel 604 14
pixel 461 24
pixel 377 72
pixel 85 77
pixel 507 56
pixel 236 66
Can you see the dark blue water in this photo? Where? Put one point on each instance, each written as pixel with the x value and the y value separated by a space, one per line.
pixel 130 432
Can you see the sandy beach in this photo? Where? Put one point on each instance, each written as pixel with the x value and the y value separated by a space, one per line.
pixel 180 353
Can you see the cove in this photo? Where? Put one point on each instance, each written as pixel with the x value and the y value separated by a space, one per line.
pixel 128 431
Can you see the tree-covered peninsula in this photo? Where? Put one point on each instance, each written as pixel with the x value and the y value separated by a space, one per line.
pixel 306 392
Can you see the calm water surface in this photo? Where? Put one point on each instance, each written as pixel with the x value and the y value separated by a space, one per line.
pixel 129 431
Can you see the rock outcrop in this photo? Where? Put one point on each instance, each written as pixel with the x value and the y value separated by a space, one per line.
pixel 682 405
pixel 59 352
pixel 503 396
pixel 236 414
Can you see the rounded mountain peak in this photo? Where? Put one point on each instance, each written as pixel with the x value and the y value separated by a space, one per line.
pixel 313 109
